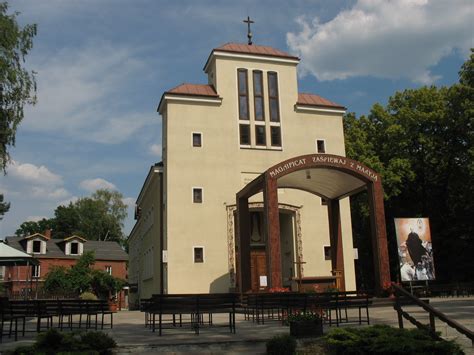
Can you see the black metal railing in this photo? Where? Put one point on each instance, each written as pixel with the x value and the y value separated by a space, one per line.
pixel 401 293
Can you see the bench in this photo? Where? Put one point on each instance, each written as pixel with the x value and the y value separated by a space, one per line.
pixel 189 309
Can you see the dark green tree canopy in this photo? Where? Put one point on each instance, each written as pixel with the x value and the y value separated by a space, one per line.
pixel 422 143
pixel 17 85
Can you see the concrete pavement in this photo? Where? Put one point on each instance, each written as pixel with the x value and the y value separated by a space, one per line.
pixel 133 337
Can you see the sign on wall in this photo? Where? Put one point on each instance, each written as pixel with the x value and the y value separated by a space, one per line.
pixel 415 251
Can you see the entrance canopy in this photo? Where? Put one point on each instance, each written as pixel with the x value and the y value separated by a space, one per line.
pixel 12 256
pixel 332 177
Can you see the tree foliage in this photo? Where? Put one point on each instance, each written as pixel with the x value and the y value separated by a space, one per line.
pixel 421 143
pixel 98 217
pixel 82 277
pixel 4 207
pixel 17 85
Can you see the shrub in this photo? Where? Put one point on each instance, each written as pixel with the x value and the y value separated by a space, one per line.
pixel 55 342
pixel 281 345
pixel 88 296
pixel 98 341
pixel 382 339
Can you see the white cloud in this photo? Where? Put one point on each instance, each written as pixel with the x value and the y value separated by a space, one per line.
pixel 49 193
pixel 93 185
pixel 155 149
pixel 34 174
pixel 81 90
pixel 35 218
pixel 385 39
pixel 129 201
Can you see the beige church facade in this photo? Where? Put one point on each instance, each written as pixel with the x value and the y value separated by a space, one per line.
pixel 216 139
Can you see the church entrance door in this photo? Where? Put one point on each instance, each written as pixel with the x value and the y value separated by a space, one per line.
pixel 258 267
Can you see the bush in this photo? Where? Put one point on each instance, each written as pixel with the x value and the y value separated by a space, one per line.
pixel 281 345
pixel 98 341
pixel 55 342
pixel 383 339
pixel 88 296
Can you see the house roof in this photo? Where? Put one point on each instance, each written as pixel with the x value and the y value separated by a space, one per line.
pixel 254 49
pixel 35 235
pixel 194 90
pixel 316 100
pixel 104 250
pixel 13 256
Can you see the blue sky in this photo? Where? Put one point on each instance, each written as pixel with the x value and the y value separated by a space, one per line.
pixel 102 66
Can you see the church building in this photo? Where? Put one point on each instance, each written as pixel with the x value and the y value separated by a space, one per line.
pixel 217 138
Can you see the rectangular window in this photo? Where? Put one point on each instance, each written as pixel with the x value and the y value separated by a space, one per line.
pixel 108 269
pixel 197 140
pixel 273 97
pixel 321 146
pixel 327 252
pixel 197 195
pixel 244 134
pixel 74 248
pixel 36 272
pixel 258 95
pixel 260 135
pixel 198 254
pixel 37 246
pixel 275 136
pixel 243 94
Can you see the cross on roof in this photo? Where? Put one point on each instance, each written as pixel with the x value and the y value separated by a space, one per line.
pixel 248 21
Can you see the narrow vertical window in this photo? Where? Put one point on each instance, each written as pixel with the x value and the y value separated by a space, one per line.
pixel 260 135
pixel 258 95
pixel 321 146
pixel 74 248
pixel 197 195
pixel 275 136
pixel 36 271
pixel 36 246
pixel 198 254
pixel 197 140
pixel 108 269
pixel 243 94
pixel 244 134
pixel 327 252
pixel 273 97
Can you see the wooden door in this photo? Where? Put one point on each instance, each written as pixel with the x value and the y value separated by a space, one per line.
pixel 258 267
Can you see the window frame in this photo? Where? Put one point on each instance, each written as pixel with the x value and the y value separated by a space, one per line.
pixel 324 252
pixel 271 97
pixel 195 247
pixel 40 243
pixel 108 269
pixel 200 139
pixel 70 248
pixel 246 94
pixel 195 188
pixel 249 144
pixel 258 96
pixel 271 136
pixel 257 126
pixel 36 274
pixel 324 145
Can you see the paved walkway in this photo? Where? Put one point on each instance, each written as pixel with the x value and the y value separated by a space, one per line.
pixel 132 336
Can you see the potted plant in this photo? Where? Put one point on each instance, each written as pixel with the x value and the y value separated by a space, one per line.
pixel 306 324
pixel 113 305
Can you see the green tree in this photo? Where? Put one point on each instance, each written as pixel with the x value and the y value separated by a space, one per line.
pixel 4 207
pixel 81 278
pixel 32 227
pixel 17 85
pixel 57 281
pixel 422 144
pixel 98 217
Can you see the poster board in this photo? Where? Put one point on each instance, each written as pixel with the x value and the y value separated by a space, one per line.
pixel 415 251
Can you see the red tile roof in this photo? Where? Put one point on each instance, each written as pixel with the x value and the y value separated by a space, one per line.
pixel 315 100
pixel 254 49
pixel 194 90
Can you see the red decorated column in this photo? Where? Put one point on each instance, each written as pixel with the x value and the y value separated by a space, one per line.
pixel 272 219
